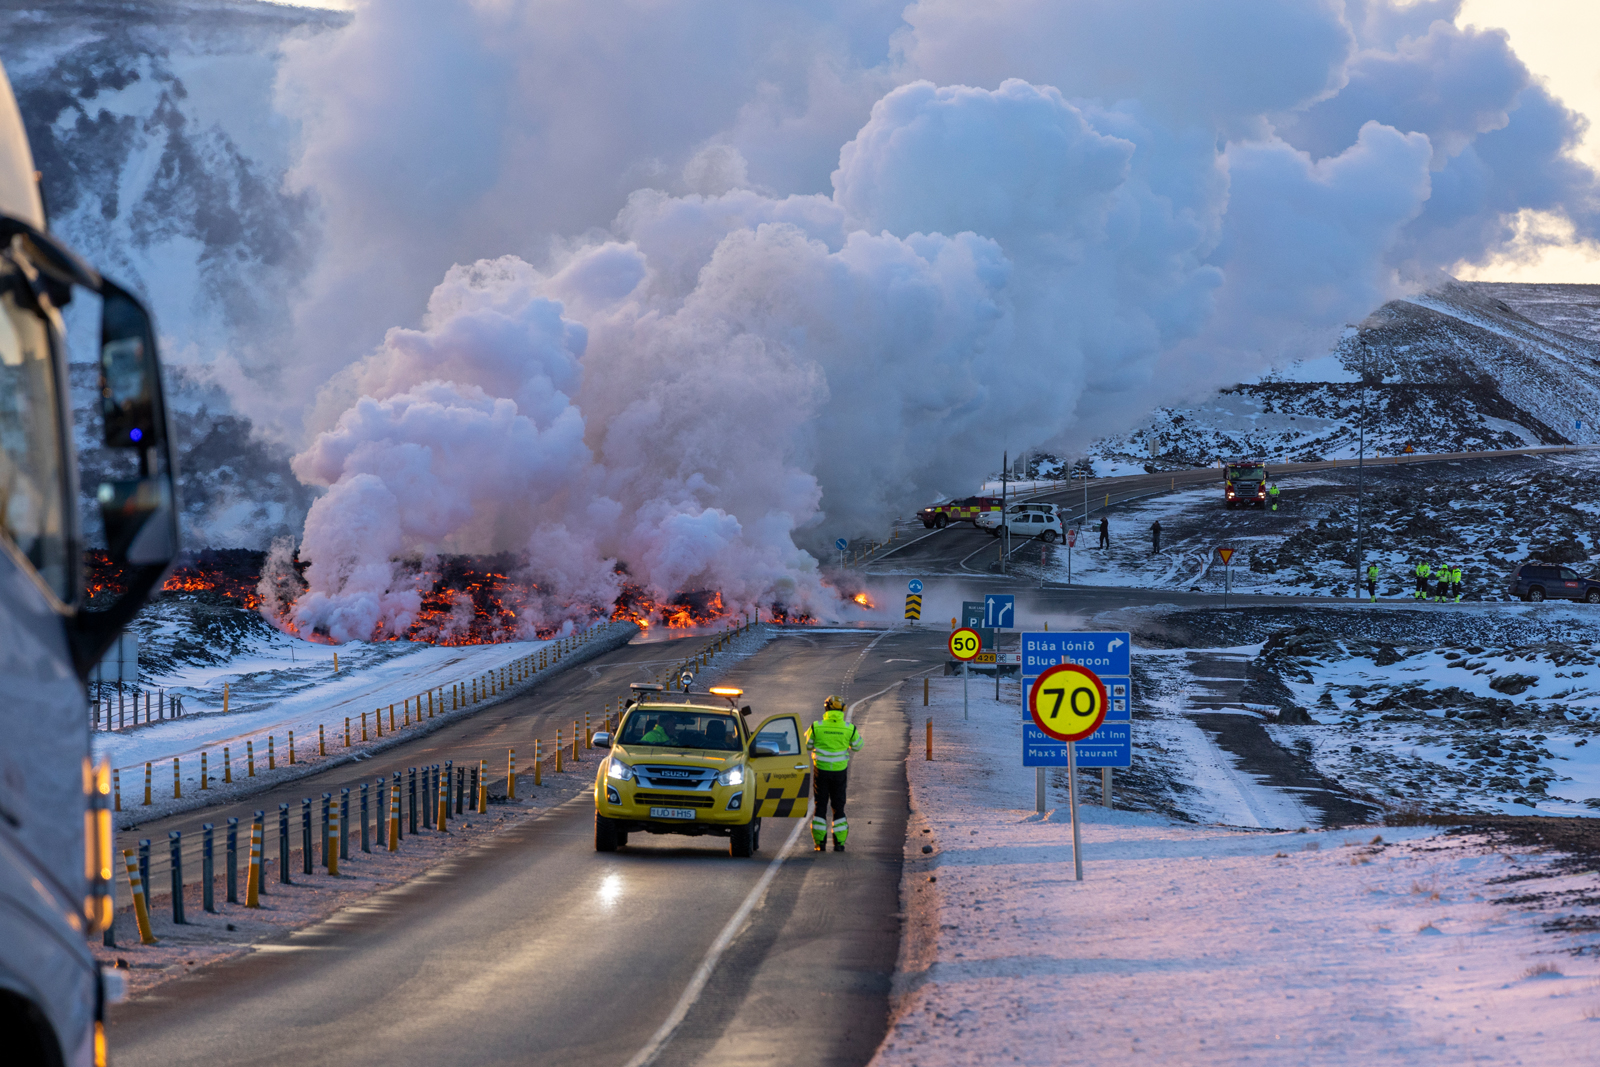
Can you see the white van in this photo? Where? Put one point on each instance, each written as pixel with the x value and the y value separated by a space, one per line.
pixel 1025 520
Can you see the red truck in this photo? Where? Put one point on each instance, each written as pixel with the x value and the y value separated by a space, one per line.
pixel 966 509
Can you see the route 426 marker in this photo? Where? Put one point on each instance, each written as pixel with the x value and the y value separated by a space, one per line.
pixel 965 644
pixel 1069 702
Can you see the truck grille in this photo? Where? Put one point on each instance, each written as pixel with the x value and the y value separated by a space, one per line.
pixel 675 799
pixel 674 777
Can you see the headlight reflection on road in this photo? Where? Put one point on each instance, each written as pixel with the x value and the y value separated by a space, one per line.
pixel 610 890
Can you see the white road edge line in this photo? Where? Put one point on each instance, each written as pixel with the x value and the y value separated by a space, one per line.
pixel 702 974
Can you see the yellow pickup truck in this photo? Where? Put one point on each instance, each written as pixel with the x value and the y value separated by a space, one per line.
pixel 690 764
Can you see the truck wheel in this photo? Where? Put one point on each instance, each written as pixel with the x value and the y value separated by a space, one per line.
pixel 741 842
pixel 1593 597
pixel 605 834
pixel 941 522
pixel 1536 594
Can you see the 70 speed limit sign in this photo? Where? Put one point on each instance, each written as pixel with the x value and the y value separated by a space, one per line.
pixel 1068 702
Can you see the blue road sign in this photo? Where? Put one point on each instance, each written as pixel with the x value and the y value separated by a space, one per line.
pixel 841 544
pixel 915 585
pixel 1000 611
pixel 1108 655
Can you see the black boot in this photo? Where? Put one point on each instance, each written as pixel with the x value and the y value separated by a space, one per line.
pixel 838 846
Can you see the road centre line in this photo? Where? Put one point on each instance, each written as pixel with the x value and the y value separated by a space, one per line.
pixel 703 973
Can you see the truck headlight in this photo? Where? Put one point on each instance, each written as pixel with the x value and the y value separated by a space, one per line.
pixel 619 770
pixel 731 776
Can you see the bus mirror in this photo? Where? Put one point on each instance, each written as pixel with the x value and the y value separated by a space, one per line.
pixel 130 377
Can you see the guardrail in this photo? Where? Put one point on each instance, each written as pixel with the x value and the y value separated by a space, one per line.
pixel 381 812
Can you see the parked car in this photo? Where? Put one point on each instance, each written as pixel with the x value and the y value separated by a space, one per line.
pixel 1025 520
pixel 1543 581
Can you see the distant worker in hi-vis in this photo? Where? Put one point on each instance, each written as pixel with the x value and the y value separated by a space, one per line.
pixel 830 742
pixel 1372 581
pixel 1421 591
pixel 1455 580
pixel 1272 494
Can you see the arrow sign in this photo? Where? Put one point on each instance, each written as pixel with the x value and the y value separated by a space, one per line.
pixel 1226 554
pixel 915 585
pixel 841 544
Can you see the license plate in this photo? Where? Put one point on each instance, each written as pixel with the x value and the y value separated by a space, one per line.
pixel 672 813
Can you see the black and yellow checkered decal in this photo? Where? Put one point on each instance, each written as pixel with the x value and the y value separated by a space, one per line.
pixel 783 795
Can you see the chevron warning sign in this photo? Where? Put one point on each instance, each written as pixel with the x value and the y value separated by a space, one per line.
pixel 914 606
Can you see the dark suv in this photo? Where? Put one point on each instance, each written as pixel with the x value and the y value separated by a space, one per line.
pixel 1541 581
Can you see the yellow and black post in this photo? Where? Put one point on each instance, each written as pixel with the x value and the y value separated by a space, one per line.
pixel 511 774
pixel 141 909
pixel 147 783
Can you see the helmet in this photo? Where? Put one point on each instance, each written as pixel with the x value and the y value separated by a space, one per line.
pixel 833 704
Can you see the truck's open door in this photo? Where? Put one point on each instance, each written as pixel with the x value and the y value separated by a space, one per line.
pixel 782 781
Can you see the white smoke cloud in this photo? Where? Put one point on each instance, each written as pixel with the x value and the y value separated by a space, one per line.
pixel 671 347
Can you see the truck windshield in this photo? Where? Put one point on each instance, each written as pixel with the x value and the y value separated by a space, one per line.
pixel 682 728
pixel 1247 474
pixel 32 468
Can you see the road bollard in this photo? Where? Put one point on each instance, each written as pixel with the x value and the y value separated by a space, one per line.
pixel 474 690
pixel 411 798
pixel 272 753
pixel 259 821
pixel 283 844
pixel 427 790
pixel 394 819
pixel 175 864
pixel 205 781
pixel 472 786
pixel 430 706
pixel 366 844
pixel 558 751
pixel 391 718
pixel 929 756
pixel 511 774
pixel 344 823
pixel 483 787
pixel 233 860
pixel 398 793
pixel 363 726
pixel 208 871
pixel 461 789
pixel 224 701
pixel 347 731
pixel 333 853
pixel 252 878
pixel 116 789
pixel 250 757
pixel 537 776
pixel 141 911
pixel 442 815
pixel 588 735
pixel 574 740
pixel 322 741
pixel 307 857
pixel 407 719
pixel 377 720
pixel 177 782
pixel 144 860
pixel 326 803
pixel 227 766
pixel 924 692
pixel 291 748
pixel 147 783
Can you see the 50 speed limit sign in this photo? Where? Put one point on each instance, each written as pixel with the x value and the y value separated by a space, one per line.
pixel 965 644
pixel 1068 702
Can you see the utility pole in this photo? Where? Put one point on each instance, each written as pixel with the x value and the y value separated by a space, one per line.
pixel 1005 464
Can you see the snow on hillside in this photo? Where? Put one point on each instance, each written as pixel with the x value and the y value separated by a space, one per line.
pixel 1464 367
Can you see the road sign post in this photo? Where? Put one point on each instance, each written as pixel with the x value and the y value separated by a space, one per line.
pixel 1072 539
pixel 964 645
pixel 1111 745
pixel 1227 570
pixel 1068 702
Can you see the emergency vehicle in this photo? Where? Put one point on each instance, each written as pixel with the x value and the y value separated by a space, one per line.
pixel 1244 483
pixel 689 763
pixel 967 509
pixel 55 823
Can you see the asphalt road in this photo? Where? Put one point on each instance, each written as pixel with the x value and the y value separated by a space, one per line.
pixel 533 948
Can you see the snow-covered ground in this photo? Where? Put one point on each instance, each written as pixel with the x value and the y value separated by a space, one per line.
pixel 279 694
pixel 1211 945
